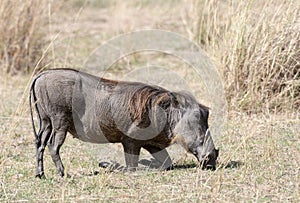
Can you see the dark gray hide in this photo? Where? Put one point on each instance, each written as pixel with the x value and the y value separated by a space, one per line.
pixel 98 110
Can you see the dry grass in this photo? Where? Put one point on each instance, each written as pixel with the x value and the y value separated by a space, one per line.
pixel 21 37
pixel 262 149
pixel 266 148
pixel 256 44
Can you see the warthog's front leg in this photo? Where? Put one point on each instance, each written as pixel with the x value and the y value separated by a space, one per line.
pixel 160 155
pixel 132 152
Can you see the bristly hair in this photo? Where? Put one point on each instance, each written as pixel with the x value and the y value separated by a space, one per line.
pixel 144 99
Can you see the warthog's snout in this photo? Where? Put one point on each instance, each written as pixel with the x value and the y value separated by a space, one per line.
pixel 209 166
pixel 209 161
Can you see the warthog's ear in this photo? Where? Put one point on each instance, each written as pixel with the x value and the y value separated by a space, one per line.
pixel 168 100
pixel 204 111
pixel 165 101
pixel 177 99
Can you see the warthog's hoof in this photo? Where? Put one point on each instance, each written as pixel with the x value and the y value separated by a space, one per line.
pixel 40 175
pixel 209 167
pixel 130 169
pixel 169 168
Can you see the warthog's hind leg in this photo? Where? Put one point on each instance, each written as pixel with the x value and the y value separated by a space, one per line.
pixel 57 139
pixel 41 142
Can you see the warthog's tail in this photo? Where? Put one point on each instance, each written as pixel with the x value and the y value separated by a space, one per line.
pixel 32 98
pixel 32 93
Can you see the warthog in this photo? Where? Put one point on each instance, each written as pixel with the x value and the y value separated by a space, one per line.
pixel 99 110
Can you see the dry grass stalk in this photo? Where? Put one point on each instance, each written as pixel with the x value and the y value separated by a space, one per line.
pixel 21 39
pixel 257 45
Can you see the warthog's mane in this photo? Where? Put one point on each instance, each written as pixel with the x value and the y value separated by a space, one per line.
pixel 145 98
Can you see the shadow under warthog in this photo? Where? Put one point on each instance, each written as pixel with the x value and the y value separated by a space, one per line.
pixel 231 164
pixel 147 165
pixel 153 164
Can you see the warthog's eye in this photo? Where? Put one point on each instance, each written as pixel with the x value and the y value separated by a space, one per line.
pixel 197 114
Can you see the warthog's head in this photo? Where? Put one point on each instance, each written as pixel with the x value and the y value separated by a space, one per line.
pixel 192 131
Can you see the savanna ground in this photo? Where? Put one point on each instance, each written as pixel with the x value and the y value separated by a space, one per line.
pixel 259 148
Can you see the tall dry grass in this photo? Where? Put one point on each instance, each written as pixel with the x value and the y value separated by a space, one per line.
pixel 257 47
pixel 21 36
